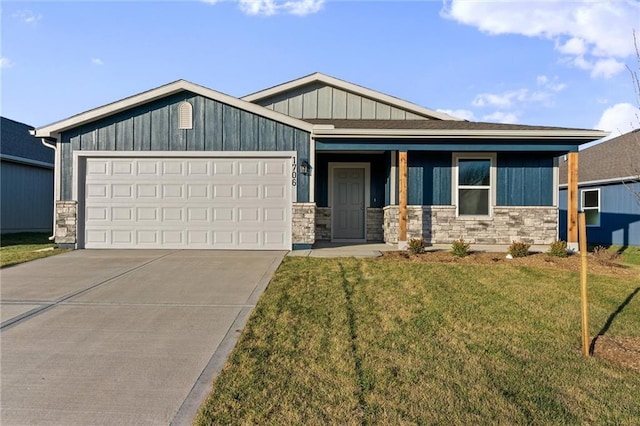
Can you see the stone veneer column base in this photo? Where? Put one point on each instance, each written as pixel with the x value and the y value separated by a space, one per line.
pixel 439 225
pixel 66 223
pixel 374 220
pixel 303 224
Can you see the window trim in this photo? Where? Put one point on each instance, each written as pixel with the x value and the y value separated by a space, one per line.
pixel 492 157
pixel 583 208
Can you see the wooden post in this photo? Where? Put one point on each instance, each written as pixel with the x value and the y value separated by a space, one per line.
pixel 583 284
pixel 572 200
pixel 402 207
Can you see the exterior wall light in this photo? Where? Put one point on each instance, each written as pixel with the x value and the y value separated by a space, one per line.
pixel 305 168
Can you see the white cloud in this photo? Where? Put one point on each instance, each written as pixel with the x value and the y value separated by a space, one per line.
pixel 503 100
pixel 550 83
pixel 502 117
pixel 27 16
pixel 97 61
pixel 272 7
pixel 465 114
pixel 6 62
pixel 619 119
pixel 587 31
pixel 606 68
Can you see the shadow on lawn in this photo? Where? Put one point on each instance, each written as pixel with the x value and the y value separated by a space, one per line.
pixel 609 321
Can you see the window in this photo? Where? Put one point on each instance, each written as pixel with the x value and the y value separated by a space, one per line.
pixel 591 206
pixel 474 181
pixel 185 116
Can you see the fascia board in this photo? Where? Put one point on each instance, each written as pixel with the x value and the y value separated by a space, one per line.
pixel 626 179
pixel 161 92
pixel 350 87
pixel 587 135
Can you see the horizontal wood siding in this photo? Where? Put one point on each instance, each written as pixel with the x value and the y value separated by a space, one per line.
pixel 154 127
pixel 429 178
pixel 379 175
pixel 525 179
pixel 321 101
pixel 26 197
pixel 619 215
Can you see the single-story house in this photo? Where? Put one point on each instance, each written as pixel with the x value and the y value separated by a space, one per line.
pixel 26 180
pixel 609 191
pixel 316 158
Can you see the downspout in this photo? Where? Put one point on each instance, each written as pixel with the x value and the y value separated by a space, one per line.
pixel 54 147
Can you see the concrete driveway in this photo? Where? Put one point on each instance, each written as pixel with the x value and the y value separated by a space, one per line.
pixel 122 336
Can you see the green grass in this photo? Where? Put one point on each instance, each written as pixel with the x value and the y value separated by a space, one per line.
pixel 630 255
pixel 22 247
pixel 367 341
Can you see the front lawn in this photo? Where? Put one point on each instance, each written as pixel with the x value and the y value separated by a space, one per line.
pixel 25 246
pixel 393 341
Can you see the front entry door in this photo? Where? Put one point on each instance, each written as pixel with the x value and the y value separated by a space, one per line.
pixel 348 204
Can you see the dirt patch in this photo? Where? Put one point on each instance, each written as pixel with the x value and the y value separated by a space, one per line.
pixel 537 260
pixel 624 351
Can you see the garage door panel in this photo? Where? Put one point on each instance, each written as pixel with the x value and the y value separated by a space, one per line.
pixel 225 203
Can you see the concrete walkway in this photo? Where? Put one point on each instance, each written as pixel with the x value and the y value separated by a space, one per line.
pixel 328 249
pixel 122 337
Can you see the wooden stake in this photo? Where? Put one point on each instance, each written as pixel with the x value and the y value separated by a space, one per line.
pixel 583 284
pixel 572 198
pixel 402 183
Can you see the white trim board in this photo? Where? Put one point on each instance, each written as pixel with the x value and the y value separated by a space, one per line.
pixel 161 92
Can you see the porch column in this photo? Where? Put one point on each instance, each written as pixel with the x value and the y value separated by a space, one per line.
pixel 572 201
pixel 402 205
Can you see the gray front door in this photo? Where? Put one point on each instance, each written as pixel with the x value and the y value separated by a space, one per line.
pixel 348 204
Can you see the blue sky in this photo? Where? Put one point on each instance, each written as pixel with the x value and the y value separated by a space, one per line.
pixel 544 62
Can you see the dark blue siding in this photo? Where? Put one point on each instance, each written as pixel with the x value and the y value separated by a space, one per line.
pixel 429 178
pixel 154 127
pixel 524 179
pixel 379 175
pixel 619 215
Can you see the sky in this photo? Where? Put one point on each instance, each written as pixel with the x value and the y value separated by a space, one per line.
pixel 539 62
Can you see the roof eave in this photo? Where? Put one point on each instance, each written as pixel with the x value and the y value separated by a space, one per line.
pixel 580 135
pixel 161 92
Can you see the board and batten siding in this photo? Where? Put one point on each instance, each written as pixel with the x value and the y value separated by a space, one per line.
pixel 154 127
pixel 524 179
pixel 318 101
pixel 429 178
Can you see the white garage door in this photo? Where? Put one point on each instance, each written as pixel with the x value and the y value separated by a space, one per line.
pixel 196 203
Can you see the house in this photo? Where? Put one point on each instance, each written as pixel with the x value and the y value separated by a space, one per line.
pixel 26 169
pixel 608 191
pixel 317 158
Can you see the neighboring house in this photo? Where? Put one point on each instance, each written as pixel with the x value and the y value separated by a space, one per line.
pixel 26 169
pixel 317 158
pixel 608 191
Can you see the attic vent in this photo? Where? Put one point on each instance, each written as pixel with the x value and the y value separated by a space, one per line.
pixel 185 116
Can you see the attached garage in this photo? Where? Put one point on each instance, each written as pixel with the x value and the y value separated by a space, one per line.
pixel 181 167
pixel 222 202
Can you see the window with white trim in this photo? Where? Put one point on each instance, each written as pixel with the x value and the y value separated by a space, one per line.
pixel 590 205
pixel 474 184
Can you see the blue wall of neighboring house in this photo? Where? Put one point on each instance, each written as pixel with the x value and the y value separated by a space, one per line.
pixel 619 215
pixel 154 127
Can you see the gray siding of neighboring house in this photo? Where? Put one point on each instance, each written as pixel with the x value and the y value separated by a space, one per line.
pixel 26 197
pixel 154 127
pixel 26 180
pixel 619 214
pixel 319 101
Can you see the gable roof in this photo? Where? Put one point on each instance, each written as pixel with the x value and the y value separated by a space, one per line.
pixel 17 144
pixel 613 160
pixel 161 92
pixel 349 87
